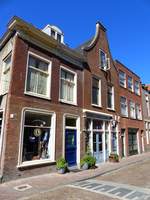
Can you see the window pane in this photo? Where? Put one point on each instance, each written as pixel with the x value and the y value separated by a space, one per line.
pixel 6 74
pixel 36 136
pixel 110 97
pixel 97 124
pixel 37 79
pixel 42 83
pixel 32 80
pixel 70 122
pixel 122 78
pixel 37 119
pixel 103 60
pixel 67 86
pixel 95 91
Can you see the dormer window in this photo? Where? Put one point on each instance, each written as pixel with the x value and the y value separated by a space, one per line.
pixel 104 61
pixel 54 32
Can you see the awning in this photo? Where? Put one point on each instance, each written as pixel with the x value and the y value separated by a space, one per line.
pixel 97 116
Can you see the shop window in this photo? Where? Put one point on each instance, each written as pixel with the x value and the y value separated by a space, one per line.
pixel 114 141
pixel 37 135
pixel 97 124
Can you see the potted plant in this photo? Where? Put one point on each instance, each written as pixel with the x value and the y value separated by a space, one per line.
pixel 113 157
pixel 61 165
pixel 88 161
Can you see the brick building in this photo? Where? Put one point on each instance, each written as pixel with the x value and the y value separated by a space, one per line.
pixel 56 101
pixel 146 113
pixel 132 139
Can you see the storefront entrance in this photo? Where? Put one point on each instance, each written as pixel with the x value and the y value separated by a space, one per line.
pixel 70 146
pixel 132 141
pixel 98 147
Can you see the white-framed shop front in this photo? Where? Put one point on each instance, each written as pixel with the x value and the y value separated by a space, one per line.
pixel 102 131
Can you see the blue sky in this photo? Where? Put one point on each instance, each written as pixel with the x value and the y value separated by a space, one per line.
pixel 127 23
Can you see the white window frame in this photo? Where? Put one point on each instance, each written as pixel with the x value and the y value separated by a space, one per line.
pixel 48 95
pixel 2 77
pixel 132 104
pixel 132 88
pixel 113 99
pixel 126 114
pixel 147 104
pixel 52 142
pixel 139 111
pixel 125 84
pixel 99 95
pixel 137 92
pixel 74 102
pixel 107 61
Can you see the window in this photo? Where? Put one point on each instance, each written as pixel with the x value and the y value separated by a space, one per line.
pixel 138 112
pixel 110 97
pixel 124 107
pixel 96 92
pixel 137 87
pixel 53 33
pixel 6 74
pixel 114 140
pixel 132 109
pixel 37 138
pixel 104 61
pixel 130 83
pixel 122 79
pixel 1 120
pixel 58 37
pixel 38 77
pixel 147 105
pixel 68 86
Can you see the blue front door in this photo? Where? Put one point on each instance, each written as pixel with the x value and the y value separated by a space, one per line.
pixel 70 146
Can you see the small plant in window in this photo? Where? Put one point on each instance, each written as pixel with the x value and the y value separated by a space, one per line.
pixel 61 166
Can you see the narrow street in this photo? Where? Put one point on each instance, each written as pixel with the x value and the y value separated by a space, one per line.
pixel 129 180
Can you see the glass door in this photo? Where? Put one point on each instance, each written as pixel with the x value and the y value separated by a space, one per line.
pixel 98 146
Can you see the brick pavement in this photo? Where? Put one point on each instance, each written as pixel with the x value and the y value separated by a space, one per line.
pixel 47 182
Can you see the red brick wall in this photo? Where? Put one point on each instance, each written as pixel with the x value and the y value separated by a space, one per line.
pixel 18 100
pixel 127 122
pixel 109 77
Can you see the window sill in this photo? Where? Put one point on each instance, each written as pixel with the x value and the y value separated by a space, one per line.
pixel 35 163
pixel 123 86
pixel 67 102
pixel 37 95
pixel 111 109
pixel 95 105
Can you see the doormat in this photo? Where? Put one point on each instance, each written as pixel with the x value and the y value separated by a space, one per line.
pixel 22 188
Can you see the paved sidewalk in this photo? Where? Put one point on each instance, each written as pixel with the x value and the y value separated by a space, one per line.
pixel 49 182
